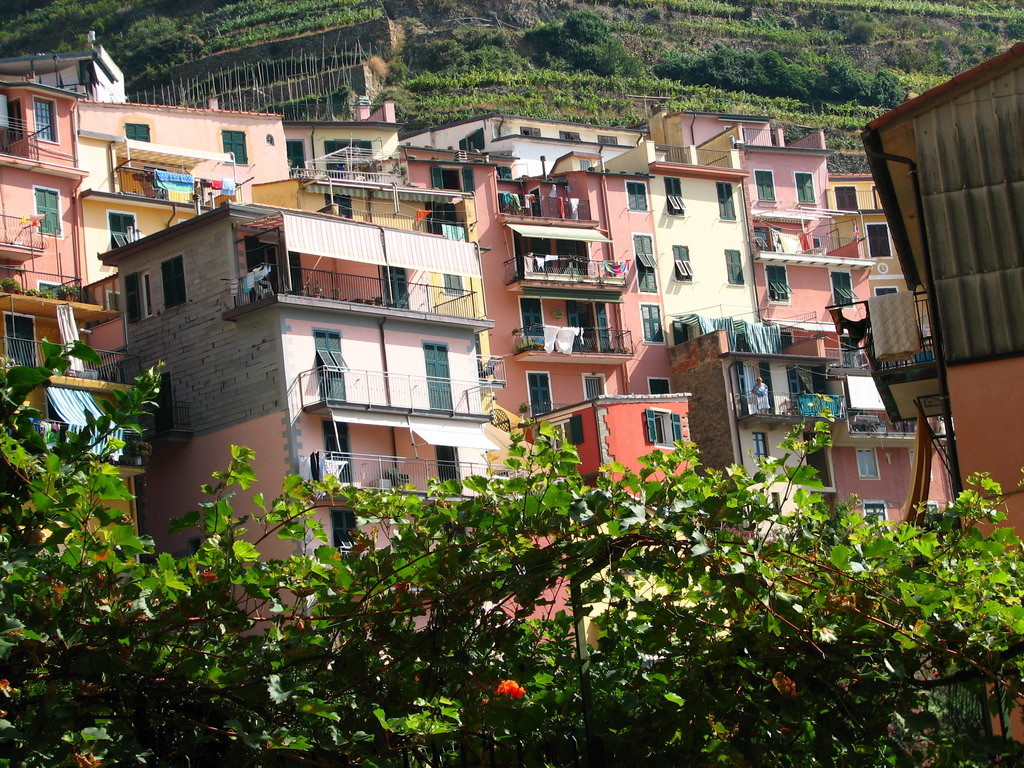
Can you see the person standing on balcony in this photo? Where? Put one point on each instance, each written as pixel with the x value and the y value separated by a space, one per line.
pixel 759 394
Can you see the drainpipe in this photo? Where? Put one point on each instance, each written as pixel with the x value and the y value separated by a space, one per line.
pixel 936 327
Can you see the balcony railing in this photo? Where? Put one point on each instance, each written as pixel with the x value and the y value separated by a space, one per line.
pixel 134 453
pixel 564 269
pixel 114 367
pixel 790 406
pixel 491 369
pixel 537 410
pixel 927 353
pixel 142 182
pixel 366 470
pixel 15 280
pixel 348 174
pixel 853 199
pixel 567 208
pixel 361 289
pixel 828 243
pixel 17 139
pixel 592 341
pixel 865 423
pixel 168 417
pixel 20 231
pixel 339 387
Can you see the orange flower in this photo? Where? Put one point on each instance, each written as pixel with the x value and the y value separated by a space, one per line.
pixel 206 577
pixel 510 688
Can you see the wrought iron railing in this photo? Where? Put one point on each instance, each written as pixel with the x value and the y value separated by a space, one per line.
pixel 491 369
pixel 20 231
pixel 568 208
pixel 16 280
pixel 18 139
pixel 167 417
pixel 564 269
pixel 790 406
pixel 348 174
pixel 591 341
pixel 366 470
pixel 344 386
pixel 927 353
pixel 114 367
pixel 361 289
pixel 827 243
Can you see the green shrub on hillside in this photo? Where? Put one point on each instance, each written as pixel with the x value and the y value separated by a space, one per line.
pixel 583 41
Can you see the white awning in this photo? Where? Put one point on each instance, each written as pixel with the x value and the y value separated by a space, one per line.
pixel 361 416
pixel 559 233
pixel 457 435
pixel 353 241
pixel 165 154
pixel 864 393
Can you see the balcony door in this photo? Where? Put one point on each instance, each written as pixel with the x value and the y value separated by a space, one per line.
pixel 533 319
pixel 398 287
pixel 539 386
pixel 439 380
pixel 330 365
pixel 447 462
pixel 21 339
pixel 580 314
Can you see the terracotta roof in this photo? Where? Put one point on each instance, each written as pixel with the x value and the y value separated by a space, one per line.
pixel 131 104
pixel 933 93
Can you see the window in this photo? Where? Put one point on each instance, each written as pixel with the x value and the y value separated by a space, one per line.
pixel 137 297
pixel 452 178
pixel 674 197
pixel 234 142
pixel 842 288
pixel 529 130
pixel 778 282
pixel 136 131
pixel 453 285
pixel 585 165
pixel 682 269
pixel 663 427
pixel 21 339
pixel 603 139
pixel 650 316
pixel 569 135
pixel 734 267
pixel 885 290
pixel 846 198
pixel 793 381
pixel 45 126
pixel 172 275
pixel 295 150
pixel 344 203
pixel 330 364
pixel 112 300
pixel 804 187
pixel 726 206
pixel 505 172
pixel 343 522
pixel 760 445
pixel 574 431
pixel 593 386
pixel 122 228
pixel 785 339
pixel 636 195
pixel 48 204
pixel 474 141
pixel 646 264
pixel 659 386
pixel 878 241
pixel 874 510
pixel 765 181
pixel 867 464
pixel 539 387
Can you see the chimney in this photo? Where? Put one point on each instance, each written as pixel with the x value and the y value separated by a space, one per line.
pixel 212 103
pixel 362 108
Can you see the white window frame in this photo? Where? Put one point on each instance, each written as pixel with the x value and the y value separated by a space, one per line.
pixel 664 420
pixel 876 513
pixel 531 131
pixel 775 195
pixel 658 378
pixel 874 462
pixel 753 446
pixel 135 224
pixel 647 197
pixel 145 294
pixel 637 264
pixel 112 300
pixel 608 140
pixel 53 120
pixel 604 383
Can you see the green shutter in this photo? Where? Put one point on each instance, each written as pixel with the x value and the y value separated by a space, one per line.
pixel 576 429
pixel 805 187
pixel 172 274
pixel 734 267
pixel 651 420
pixel 726 207
pixel 677 427
pixel 765 185
pixel 468 182
pixel 131 296
pixel 436 178
pixel 48 204
pixel 295 150
pixel 234 141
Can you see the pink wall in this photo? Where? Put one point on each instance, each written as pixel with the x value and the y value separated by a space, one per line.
pixel 811 291
pixel 784 165
pixel 627 430
pixel 894 469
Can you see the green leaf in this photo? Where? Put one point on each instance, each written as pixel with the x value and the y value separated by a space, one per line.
pixel 245 551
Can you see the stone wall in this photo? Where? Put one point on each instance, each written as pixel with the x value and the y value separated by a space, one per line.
pixel 698 368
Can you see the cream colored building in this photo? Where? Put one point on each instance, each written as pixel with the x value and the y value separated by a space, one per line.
pixel 855 195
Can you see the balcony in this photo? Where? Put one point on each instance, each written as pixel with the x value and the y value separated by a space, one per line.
pixel 114 367
pixel 540 207
pixel 850 198
pixel 20 238
pixel 719 158
pixel 349 175
pixel 876 424
pixel 328 387
pixel 789 407
pixel 592 345
pixel 491 370
pixel 143 182
pixel 17 139
pixel 553 269
pixel 365 291
pixel 809 245
pixel 365 470
pixel 170 421
pixel 135 453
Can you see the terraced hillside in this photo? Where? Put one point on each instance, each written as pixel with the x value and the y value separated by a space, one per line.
pixel 825 62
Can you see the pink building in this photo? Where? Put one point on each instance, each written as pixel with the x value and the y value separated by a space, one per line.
pixel 41 177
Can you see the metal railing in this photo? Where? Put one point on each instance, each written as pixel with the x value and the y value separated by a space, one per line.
pixel 361 289
pixel 20 231
pixel 16 280
pixel 689 155
pixel 827 243
pixel 167 417
pixel 927 353
pixel 366 470
pixel 592 341
pixel 790 406
pixel 865 423
pixel 758 137
pixel 570 209
pixel 563 269
pixel 18 140
pixel 348 174
pixel 491 369
pixel 538 409
pixel 114 367
pixel 344 386
pixel 135 452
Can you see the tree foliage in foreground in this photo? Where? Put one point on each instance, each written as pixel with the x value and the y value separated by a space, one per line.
pixel 727 632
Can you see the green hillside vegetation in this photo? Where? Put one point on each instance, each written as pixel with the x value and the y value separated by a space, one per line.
pixel 833 63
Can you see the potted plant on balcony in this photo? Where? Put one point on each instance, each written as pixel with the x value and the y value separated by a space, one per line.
pixel 10 285
pixel 68 292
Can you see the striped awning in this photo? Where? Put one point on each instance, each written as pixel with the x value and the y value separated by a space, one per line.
pixel 559 233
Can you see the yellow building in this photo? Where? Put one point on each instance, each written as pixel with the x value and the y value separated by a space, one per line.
pixel 859 215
